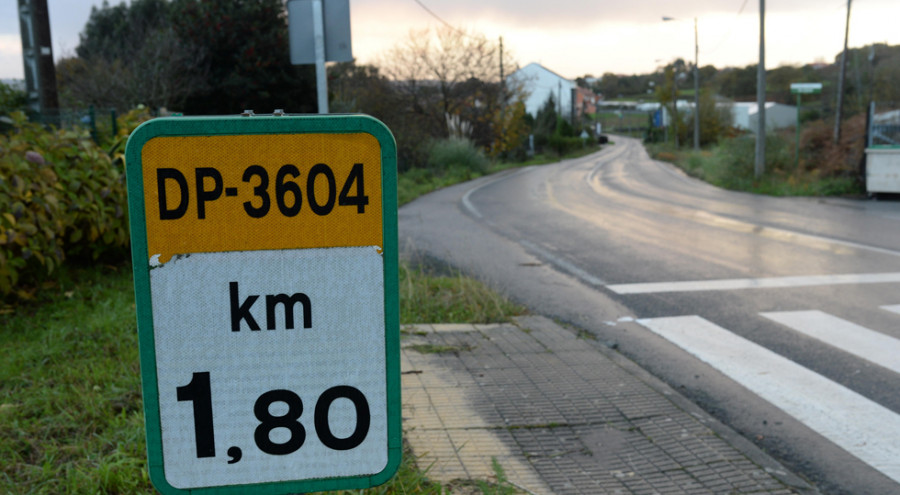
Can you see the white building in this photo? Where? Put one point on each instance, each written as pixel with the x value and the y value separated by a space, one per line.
pixel 540 82
pixel 743 114
pixel 778 116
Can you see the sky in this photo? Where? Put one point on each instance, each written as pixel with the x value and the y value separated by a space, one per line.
pixel 572 37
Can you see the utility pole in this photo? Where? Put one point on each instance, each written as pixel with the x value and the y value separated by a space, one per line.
pixel 840 95
pixel 760 165
pixel 502 98
pixel 37 55
pixel 696 88
pixel 501 60
pixel 675 104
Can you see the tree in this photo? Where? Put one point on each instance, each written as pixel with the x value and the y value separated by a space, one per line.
pixel 737 83
pixel 362 88
pixel 200 56
pixel 513 122
pixel 160 71
pixel 666 93
pixel 546 119
pixel 135 50
pixel 609 86
pixel 449 83
pixel 779 80
pixel 715 119
pixel 84 82
pixel 246 57
pixel 11 99
pixel 115 32
pixel 130 54
pixel 441 65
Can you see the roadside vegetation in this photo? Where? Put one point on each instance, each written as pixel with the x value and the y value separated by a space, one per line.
pixel 824 167
pixel 430 297
pixel 820 170
pixel 453 161
pixel 71 417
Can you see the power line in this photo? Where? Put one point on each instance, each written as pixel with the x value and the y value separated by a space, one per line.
pixel 438 17
pixel 450 26
pixel 728 34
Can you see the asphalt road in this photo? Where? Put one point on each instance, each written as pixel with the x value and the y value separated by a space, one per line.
pixel 780 316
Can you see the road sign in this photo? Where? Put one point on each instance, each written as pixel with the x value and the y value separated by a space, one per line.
pixel 806 88
pixel 336 26
pixel 265 264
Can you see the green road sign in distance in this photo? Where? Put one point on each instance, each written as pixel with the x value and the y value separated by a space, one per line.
pixel 265 264
pixel 806 88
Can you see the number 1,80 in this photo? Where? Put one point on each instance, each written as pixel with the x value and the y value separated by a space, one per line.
pixel 198 392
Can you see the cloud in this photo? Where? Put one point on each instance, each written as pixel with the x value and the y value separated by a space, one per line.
pixel 10 44
pixel 569 14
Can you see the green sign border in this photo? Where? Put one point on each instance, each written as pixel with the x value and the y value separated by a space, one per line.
pixel 241 125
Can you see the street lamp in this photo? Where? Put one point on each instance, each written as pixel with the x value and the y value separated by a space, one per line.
pixel 696 83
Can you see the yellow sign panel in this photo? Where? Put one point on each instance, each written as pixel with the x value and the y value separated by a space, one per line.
pixel 256 192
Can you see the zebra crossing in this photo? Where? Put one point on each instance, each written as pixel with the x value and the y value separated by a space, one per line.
pixel 855 423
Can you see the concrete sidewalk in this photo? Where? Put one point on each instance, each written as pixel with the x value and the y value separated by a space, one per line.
pixel 564 415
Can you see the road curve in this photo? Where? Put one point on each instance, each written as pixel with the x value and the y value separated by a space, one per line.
pixel 626 247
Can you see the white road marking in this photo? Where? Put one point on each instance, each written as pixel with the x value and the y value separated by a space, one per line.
pixel 562 264
pixel 894 308
pixel 467 202
pixel 858 425
pixel 872 346
pixel 754 283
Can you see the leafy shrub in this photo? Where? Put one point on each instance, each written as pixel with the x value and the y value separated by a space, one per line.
pixel 11 99
pixel 446 154
pixel 63 196
pixel 735 159
pixel 731 165
pixel 564 144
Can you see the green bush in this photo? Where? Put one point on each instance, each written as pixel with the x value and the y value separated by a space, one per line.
pixel 63 196
pixel 731 165
pixel 455 153
pixel 734 161
pixel 11 99
pixel 563 145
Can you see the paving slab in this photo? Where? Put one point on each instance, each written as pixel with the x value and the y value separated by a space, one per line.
pixel 562 414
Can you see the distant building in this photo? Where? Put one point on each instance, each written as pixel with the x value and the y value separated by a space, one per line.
pixel 585 101
pixel 540 82
pixel 743 114
pixel 778 116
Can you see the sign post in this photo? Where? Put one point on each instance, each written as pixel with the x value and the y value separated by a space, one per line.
pixel 319 32
pixel 265 264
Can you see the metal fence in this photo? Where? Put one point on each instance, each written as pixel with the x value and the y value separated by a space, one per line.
pixel 884 124
pixel 101 123
pixel 634 123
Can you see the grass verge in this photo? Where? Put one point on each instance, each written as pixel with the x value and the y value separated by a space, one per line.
pixel 70 402
pixel 432 298
pixel 730 165
pixel 420 181
pixel 71 417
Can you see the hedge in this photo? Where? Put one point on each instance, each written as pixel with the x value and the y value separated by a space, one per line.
pixel 61 196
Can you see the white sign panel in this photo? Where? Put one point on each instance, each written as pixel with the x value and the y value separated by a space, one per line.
pixel 270 419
